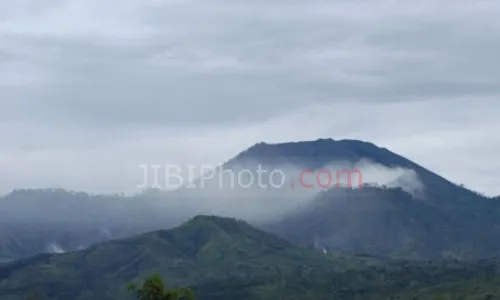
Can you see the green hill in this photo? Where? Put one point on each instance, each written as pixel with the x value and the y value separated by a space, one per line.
pixel 205 249
pixel 223 258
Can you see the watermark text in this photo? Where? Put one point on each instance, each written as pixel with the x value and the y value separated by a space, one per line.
pixel 171 176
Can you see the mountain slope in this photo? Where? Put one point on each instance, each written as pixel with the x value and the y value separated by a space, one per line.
pixel 224 259
pixel 317 154
pixel 443 220
pixel 202 250
pixel 388 222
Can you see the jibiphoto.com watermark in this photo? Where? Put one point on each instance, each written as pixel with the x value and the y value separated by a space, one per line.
pixel 172 176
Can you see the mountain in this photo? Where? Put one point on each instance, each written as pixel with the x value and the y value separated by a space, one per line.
pixel 390 222
pixel 267 181
pixel 437 219
pixel 222 258
pixel 403 209
pixel 205 249
pixel 321 153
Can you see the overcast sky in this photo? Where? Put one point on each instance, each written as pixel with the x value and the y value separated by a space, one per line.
pixel 91 89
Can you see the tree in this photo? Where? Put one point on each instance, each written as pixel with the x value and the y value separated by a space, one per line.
pixel 154 288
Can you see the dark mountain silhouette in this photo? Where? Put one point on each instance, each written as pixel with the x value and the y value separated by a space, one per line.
pixel 445 220
pixel 317 154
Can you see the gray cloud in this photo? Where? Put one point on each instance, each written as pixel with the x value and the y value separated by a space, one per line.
pixel 92 89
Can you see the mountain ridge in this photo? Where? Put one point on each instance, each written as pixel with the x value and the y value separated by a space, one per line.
pixel 101 213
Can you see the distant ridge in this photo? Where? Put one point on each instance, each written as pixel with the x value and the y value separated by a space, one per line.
pixel 377 222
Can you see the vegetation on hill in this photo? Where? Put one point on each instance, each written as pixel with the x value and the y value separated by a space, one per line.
pixel 224 258
pixel 393 223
